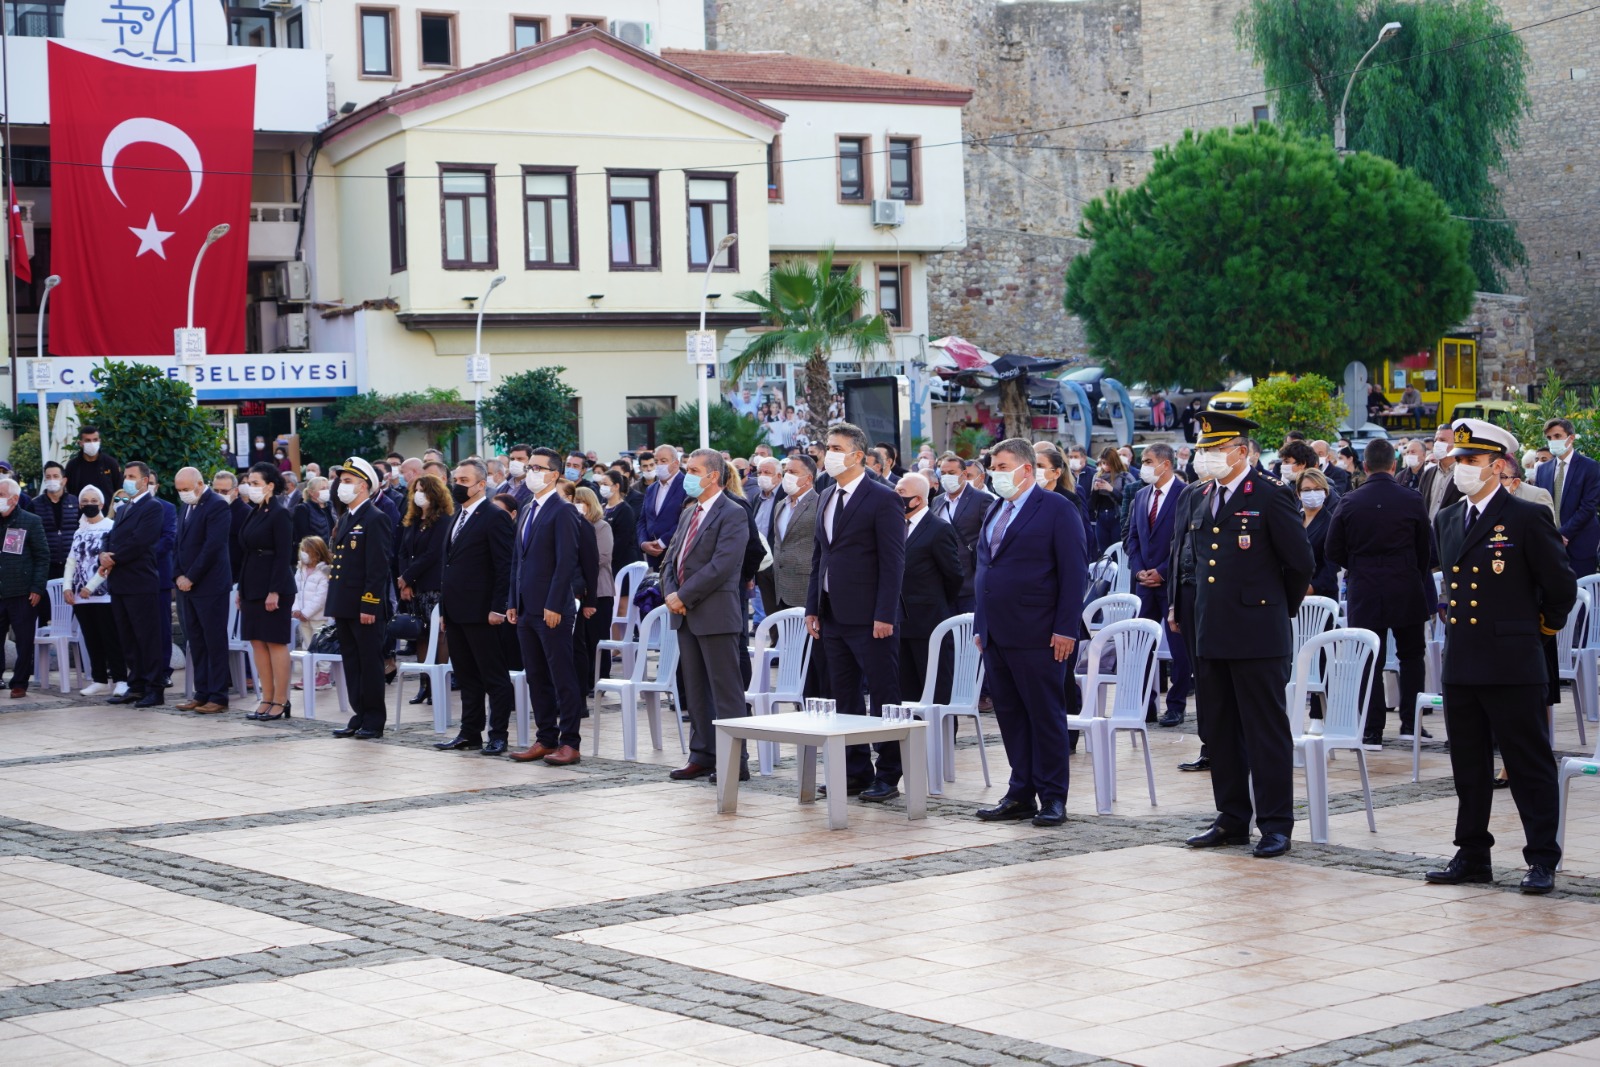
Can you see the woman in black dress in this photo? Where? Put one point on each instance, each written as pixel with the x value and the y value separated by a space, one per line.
pixel 613 490
pixel 420 557
pixel 266 586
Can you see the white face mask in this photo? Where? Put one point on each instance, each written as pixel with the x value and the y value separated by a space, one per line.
pixel 305 559
pixel 253 493
pixel 1147 474
pixel 791 484
pixel 1311 499
pixel 536 480
pixel 1439 449
pixel 323 495
pixel 1074 464
pixel 91 448
pixel 188 496
pixel 1005 483
pixel 347 492
pixel 1210 465
pixel 1412 459
pixel 950 483
pixel 1471 480
pixel 420 499
pixel 605 491
pixel 764 482
pixel 1127 458
pixel 6 506
pixel 52 485
pixel 834 463
pixel 517 468
pixel 260 443
pixel 663 472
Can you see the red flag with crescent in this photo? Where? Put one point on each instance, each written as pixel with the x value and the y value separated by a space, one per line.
pixel 146 161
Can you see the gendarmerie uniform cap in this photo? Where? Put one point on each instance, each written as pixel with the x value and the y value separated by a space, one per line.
pixel 1475 437
pixel 360 468
pixel 1219 426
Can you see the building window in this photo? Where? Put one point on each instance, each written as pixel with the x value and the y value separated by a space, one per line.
pixel 397 219
pixel 905 169
pixel 711 218
pixel 633 220
pixel 527 32
pixel 1260 113
pixel 855 185
pixel 249 26
pixel 377 42
pixel 294 31
pixel 30 164
pixel 584 22
pixel 436 39
pixel 467 216
pixel 775 168
pixel 550 218
pixel 837 273
pixel 643 414
pixel 34 18
pixel 892 295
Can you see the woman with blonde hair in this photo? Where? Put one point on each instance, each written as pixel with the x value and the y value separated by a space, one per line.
pixel 420 556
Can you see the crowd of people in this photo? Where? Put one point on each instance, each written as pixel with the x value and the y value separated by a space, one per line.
pixel 510 562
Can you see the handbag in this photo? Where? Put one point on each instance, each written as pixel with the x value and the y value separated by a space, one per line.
pixel 325 642
pixel 405 628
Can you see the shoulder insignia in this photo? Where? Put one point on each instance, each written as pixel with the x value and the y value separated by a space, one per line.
pixel 1247 487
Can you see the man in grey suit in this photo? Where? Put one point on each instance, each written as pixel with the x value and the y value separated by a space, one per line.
pixel 700 577
pixel 793 530
pixel 963 506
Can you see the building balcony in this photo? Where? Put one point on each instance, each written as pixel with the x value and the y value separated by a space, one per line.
pixel 274 228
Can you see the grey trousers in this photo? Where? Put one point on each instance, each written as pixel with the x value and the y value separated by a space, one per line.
pixel 713 688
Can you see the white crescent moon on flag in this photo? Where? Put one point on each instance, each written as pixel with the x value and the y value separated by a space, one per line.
pixel 152 131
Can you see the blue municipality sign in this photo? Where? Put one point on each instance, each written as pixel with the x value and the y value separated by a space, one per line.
pixel 280 375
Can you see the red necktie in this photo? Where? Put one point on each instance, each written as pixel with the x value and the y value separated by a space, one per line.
pixel 1155 505
pixel 683 553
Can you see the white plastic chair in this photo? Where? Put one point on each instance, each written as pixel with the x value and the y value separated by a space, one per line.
pixel 310 664
pixel 1572 767
pixel 966 683
pixel 438 675
pixel 1113 607
pixel 644 682
pixel 781 639
pixel 241 661
pixel 524 705
pixel 1424 702
pixel 1134 642
pixel 624 619
pixel 1574 637
pixel 61 636
pixel 1348 673
pixel 1122 581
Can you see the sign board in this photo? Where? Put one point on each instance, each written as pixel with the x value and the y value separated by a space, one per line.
pixel 241 444
pixel 702 347
pixel 1355 394
pixel 875 405
pixel 1078 418
pixel 42 375
pixel 263 376
pixel 189 346
pixel 1120 406
pixel 477 368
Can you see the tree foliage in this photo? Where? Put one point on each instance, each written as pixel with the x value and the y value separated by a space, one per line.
pixel 346 428
pixel 810 309
pixel 533 407
pixel 1442 98
pixel 1558 400
pixel 145 415
pixel 731 432
pixel 1307 404
pixel 24 456
pixel 1251 250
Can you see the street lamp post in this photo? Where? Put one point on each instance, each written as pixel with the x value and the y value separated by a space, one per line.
pixel 477 350
pixel 39 353
pixel 705 376
pixel 1388 31
pixel 218 232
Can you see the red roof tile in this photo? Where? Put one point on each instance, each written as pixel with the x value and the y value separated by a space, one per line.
pixel 779 75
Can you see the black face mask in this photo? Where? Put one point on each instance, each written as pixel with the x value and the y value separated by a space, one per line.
pixel 458 493
pixel 90 510
pixel 911 504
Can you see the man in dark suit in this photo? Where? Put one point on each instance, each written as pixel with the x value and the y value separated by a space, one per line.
pixel 1573 480
pixel 164 561
pixel 225 484
pixel 1032 567
pixel 1509 589
pixel 1437 487
pixel 663 502
pixel 135 587
pixel 933 579
pixel 853 600
pixel 358 594
pixel 472 602
pixel 546 580
pixel 963 507
pixel 1183 574
pixel 1381 536
pixel 203 577
pixel 700 576
pixel 1149 549
pixel 1258 564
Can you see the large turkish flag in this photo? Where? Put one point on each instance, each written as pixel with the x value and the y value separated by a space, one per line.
pixel 146 160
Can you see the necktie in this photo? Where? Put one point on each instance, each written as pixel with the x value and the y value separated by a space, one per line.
pixel 1000 528
pixel 688 539
pixel 462 521
pixel 1561 476
pixel 1216 504
pixel 527 529
pixel 1155 504
pixel 1472 515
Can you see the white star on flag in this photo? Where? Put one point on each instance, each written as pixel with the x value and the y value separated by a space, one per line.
pixel 151 238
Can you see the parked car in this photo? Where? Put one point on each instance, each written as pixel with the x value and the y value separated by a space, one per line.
pixel 1234 398
pixel 1176 395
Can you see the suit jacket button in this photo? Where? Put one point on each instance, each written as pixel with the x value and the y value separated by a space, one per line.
pixel 1216 529
pixel 1455 585
pixel 1263 602
pixel 1455 570
pixel 1474 585
pixel 1474 570
pixel 1211 579
pixel 1212 562
pixel 1213 547
pixel 1452 603
pixel 1473 621
pixel 1452 620
pixel 1474 603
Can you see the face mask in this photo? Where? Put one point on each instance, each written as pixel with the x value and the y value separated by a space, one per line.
pixel 1147 474
pixel 260 443
pixel 791 484
pixel 1075 464
pixel 1412 460
pixel 91 448
pixel 1559 446
pixel 460 494
pixel 1005 483
pixel 6 506
pixel 52 485
pixel 1470 480
pixel 420 499
pixel 1127 458
pixel 911 503
pixel 764 482
pixel 280 456
pixel 188 496
pixel 305 559
pixel 1210 465
pixel 950 482
pixel 573 474
pixel 692 486
pixel 90 511
pixel 517 468
pixel 834 463
pixel 1290 470
pixel 347 492
pixel 1528 473
pixel 924 466
pixel 253 493
pixel 663 473
pixel 130 487
pixel 605 491
pixel 1439 449
pixel 1311 499
pixel 536 480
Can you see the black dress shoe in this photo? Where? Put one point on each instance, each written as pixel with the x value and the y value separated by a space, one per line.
pixel 456 744
pixel 130 697
pixel 1008 809
pixel 367 735
pixel 744 775
pixel 1539 880
pixel 1172 718
pixel 493 748
pixel 1215 836
pixel 1270 845
pixel 345 731
pixel 1051 813
pixel 151 700
pixel 1200 763
pixel 1459 870
pixel 878 792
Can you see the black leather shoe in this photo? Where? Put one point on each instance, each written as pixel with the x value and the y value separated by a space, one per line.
pixel 151 700
pixel 493 748
pixel 1459 870
pixel 367 735
pixel 456 743
pixel 878 792
pixel 1200 763
pixel 744 776
pixel 1171 718
pixel 130 697
pixel 1215 836
pixel 1539 880
pixel 1270 845
pixel 1051 813
pixel 1008 809
pixel 345 731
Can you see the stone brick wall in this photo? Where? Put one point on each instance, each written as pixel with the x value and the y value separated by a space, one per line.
pixel 1506 345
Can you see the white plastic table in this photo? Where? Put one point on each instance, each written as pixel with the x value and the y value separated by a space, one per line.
pixel 830 734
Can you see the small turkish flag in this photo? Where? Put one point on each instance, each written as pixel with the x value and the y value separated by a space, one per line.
pixel 19 244
pixel 145 162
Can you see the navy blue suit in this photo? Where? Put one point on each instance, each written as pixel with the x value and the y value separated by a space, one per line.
pixel 202 557
pixel 1149 547
pixel 1028 591
pixel 1580 497
pixel 661 525
pixel 137 594
pixel 547 575
pixel 856 575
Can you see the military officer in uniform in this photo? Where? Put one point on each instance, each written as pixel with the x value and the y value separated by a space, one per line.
pixel 358 595
pixel 1508 588
pixel 1252 565
pixel 1181 575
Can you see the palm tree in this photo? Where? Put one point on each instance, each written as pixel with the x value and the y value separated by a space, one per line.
pixel 810 311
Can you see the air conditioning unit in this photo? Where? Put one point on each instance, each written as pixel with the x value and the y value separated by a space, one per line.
pixel 294 335
pixel 888 212
pixel 638 34
pixel 279 5
pixel 294 282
